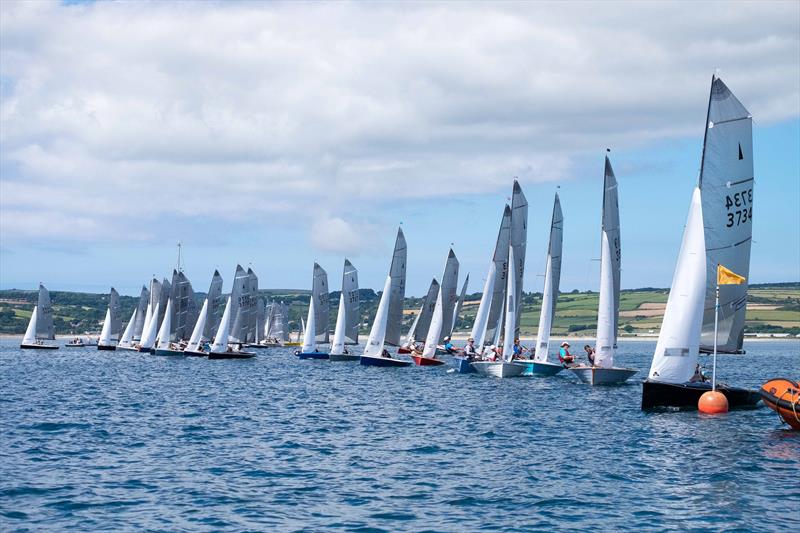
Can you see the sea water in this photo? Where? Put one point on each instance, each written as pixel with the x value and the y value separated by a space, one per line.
pixel 124 441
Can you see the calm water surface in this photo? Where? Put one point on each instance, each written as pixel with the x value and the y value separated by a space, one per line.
pixel 117 440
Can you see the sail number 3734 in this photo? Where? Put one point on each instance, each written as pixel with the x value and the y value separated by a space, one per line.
pixel 740 207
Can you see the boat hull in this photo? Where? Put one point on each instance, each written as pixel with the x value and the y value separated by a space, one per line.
pixel 312 355
pixel 232 355
pixel 537 368
pixel 594 375
pixel 783 396
pixel 167 352
pixel 382 361
pixel 108 348
pixel 498 369
pixel 426 361
pixel 343 357
pixel 463 365
pixel 404 350
pixel 38 346
pixel 191 353
pixel 657 394
pixel 126 348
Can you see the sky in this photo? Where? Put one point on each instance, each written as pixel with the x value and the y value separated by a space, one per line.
pixel 279 134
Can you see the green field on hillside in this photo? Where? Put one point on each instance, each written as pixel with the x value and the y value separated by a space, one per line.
pixel 773 309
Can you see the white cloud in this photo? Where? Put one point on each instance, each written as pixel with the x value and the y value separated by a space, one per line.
pixel 335 235
pixel 248 109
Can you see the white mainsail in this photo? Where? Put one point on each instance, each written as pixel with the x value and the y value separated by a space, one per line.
pixel 337 346
pixel 726 183
pixel 199 328
pixel 435 331
pixel 30 332
pixel 221 338
pixel 411 332
pixel 377 335
pixel 309 336
pixel 352 302
pixel 518 239
pixel 150 332
pixel 552 278
pixel 482 317
pixel 166 327
pixel 678 343
pixel 511 311
pixel 500 259
pixel 447 289
pixel 319 293
pixel 397 273
pixel 459 304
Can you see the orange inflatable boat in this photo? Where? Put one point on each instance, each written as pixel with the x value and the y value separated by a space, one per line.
pixel 783 396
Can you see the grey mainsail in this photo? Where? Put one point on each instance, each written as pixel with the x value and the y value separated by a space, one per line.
pixel 141 310
pixel 261 317
pixel 184 307
pixel 726 186
pixel 610 226
pixel 116 319
pixel 449 287
pixel 252 322
pixel 352 302
pixel 322 309
pixel 166 290
pixel 426 314
pixel 519 240
pixel 500 259
pixel 459 304
pixel 44 319
pixel 397 290
pixel 216 305
pixel 239 306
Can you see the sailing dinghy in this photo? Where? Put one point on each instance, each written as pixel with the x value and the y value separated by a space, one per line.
pixel 40 328
pixel 111 325
pixel 727 158
pixel 221 349
pixel 314 332
pixel 428 355
pixel 422 322
pixel 603 371
pixel 135 326
pixel 347 318
pixel 390 308
pixel 195 345
pixel 505 368
pixel 539 365
pixel 164 345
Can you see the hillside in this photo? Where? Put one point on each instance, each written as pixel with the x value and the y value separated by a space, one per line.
pixel 772 308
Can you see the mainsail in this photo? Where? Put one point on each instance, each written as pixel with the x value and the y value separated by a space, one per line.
pixel 239 307
pixel 115 318
pixel 435 331
pixel 519 239
pixel 397 290
pixel 352 303
pixel 163 298
pixel 44 319
pixel 426 313
pixel 726 183
pixel 215 306
pixel 511 310
pixel 448 288
pixel 320 294
pixel 552 278
pixel 141 312
pixel 610 227
pixel 500 259
pixel 679 340
pixel 479 327
pixel 184 307
pixel 459 304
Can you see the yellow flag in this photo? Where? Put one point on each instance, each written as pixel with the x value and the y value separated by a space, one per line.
pixel 728 277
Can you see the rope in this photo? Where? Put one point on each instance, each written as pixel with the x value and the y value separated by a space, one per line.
pixel 792 403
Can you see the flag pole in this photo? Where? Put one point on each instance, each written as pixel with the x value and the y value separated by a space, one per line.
pixel 716 322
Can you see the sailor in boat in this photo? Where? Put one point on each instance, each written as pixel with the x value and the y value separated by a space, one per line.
pixel 469 350
pixel 448 346
pixel 385 354
pixel 698 376
pixel 519 350
pixel 589 354
pixel 564 356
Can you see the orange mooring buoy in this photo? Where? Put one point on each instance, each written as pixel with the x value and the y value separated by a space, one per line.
pixel 712 403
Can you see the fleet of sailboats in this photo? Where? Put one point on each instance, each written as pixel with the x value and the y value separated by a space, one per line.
pixel 700 315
